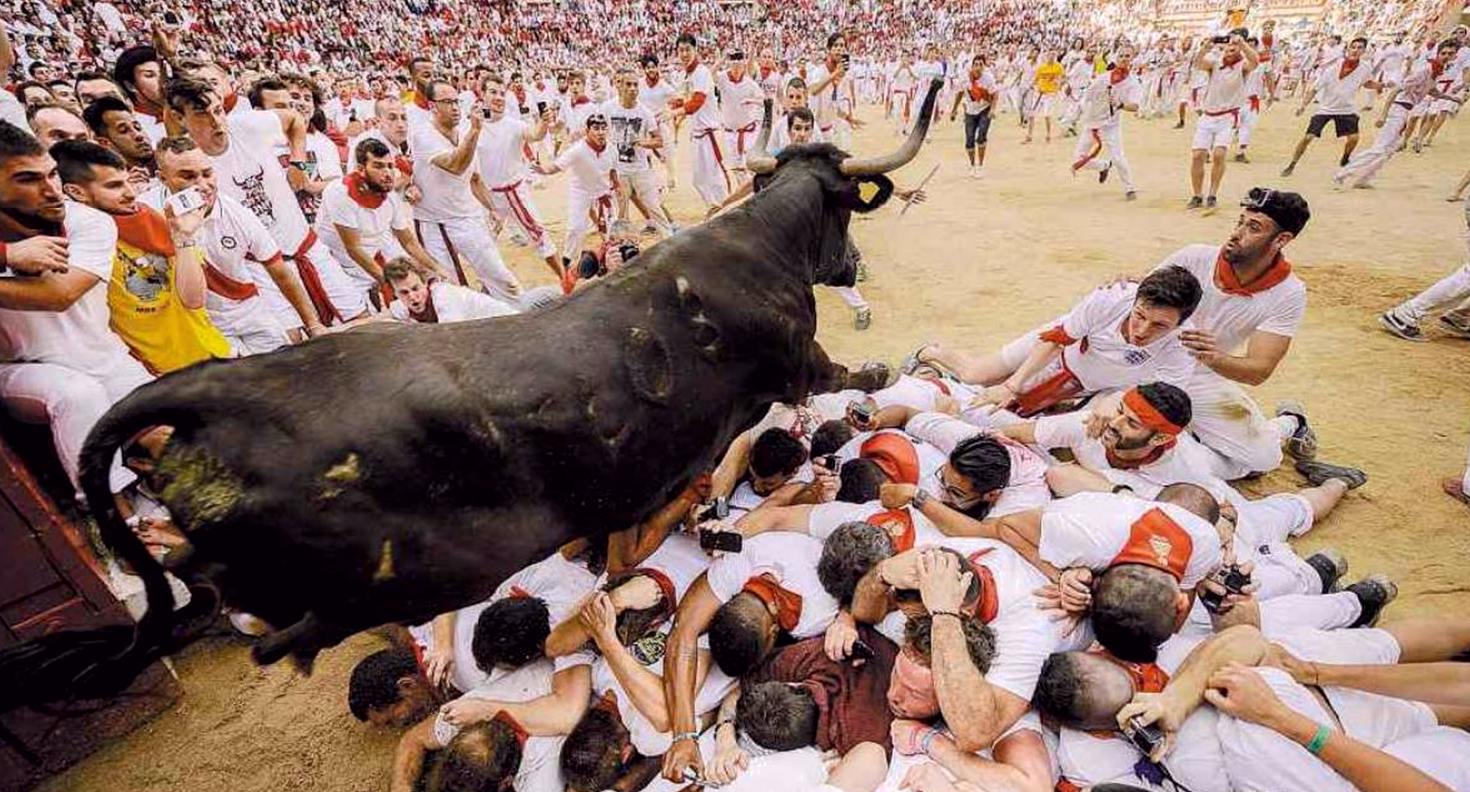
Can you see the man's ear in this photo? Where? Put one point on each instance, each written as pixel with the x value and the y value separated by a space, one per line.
pixel 74 192
pixel 993 495
pixel 406 684
pixel 1183 602
pixel 1160 438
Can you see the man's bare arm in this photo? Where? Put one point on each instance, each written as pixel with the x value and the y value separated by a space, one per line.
pixel 408 757
pixel 54 291
pixel 295 294
pixel 1020 764
pixel 976 711
pixel 1263 353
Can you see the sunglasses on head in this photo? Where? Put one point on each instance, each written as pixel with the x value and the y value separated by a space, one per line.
pixel 1257 198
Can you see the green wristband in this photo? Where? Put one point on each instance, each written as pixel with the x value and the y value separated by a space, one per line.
pixel 1319 739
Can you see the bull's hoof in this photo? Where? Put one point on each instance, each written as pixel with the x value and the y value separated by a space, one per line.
pixel 872 376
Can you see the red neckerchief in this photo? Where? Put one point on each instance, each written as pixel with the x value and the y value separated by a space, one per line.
pixel 1225 278
pixel 578 101
pixel 230 102
pixel 1151 457
pixel 1147 677
pixel 652 81
pixel 146 230
pixel 1117 75
pixel 766 72
pixel 1267 40
pixel 733 78
pixel 520 95
pixel 598 149
pixel 1435 67
pixel 431 316
pixel 1155 540
pixel 360 193
pixel 787 603
pixel 988 605
pixel 692 66
pixel 12 229
pixel 515 727
pixel 977 90
pixel 1228 61
pixel 1348 66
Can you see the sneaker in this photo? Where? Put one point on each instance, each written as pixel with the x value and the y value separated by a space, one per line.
pixel 1343 161
pixel 1195 203
pixel 1289 169
pixel 861 275
pixel 1454 325
pixel 1210 202
pixel 1330 565
pixel 1303 442
pixel 1179 125
pixel 912 363
pixel 1131 195
pixel 1398 327
pixel 863 318
pixel 1240 157
pixel 1319 473
pixel 1102 175
pixel 1374 592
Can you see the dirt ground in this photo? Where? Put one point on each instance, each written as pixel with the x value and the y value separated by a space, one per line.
pixel 978 264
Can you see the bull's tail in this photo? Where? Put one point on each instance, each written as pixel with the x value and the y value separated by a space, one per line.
pixel 93 663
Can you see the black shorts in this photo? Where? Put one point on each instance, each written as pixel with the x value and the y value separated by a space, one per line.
pixel 977 128
pixel 1344 125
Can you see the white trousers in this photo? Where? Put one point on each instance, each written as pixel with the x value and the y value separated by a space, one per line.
pixel 338 288
pixel 1231 424
pixel 585 212
pixel 711 180
pixel 1452 289
pixel 466 242
pixel 1366 164
pixel 512 204
pixel 1102 147
pixel 71 401
pixel 1248 118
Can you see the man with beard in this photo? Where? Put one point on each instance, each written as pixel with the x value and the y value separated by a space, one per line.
pixel 242 262
pixel 62 365
pixel 362 219
pixel 114 125
pixel 155 296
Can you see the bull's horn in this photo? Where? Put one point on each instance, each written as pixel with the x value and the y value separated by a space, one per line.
pixel 758 160
pixel 872 166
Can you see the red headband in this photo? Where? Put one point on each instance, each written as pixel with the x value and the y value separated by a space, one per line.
pixel 1149 415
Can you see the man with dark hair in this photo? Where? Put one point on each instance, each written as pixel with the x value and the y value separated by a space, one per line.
pixel 62 364
pixel 775 457
pixel 115 125
pixel 483 757
pixel 699 104
pixel 241 147
pixel 1420 86
pixel 1116 337
pixel 657 96
pixel 1336 89
pixel 139 72
pixel 64 92
pixel 365 222
pixel 428 299
pixel 387 688
pixel 831 436
pixel 1253 302
pixel 53 123
pixel 93 85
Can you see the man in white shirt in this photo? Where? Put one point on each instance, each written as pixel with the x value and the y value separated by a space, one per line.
pixel 655 93
pixel 1221 99
pixel 1103 102
pixel 241 259
pixel 434 301
pixel 710 178
pixel 978 97
pixel 1336 91
pixel 365 222
pixel 241 147
pixel 635 136
pixel 830 86
pixel 451 222
pixel 61 362
pixel 740 110
pixel 592 165
pixel 501 159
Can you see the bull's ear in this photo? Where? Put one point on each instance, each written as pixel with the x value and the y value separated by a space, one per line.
pixel 872 192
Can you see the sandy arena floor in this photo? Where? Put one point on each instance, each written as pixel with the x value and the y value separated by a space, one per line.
pixel 980 263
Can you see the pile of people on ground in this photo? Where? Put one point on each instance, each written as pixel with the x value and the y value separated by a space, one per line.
pixel 1010 569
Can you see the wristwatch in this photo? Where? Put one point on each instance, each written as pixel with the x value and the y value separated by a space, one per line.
pixel 921 497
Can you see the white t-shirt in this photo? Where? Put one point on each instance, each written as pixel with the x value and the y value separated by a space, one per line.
pixel 1196 760
pixel 1091 529
pixel 1187 461
pixel 1103 98
pixel 237 245
pixel 1337 95
pixel 249 172
pixel 988 84
pixel 655 98
pixel 1233 317
pixel 12 111
pixel 647 739
pixel 588 168
pixel 1027 488
pixel 702 82
pixel 1224 88
pixel 79 337
pixel 374 227
pixel 740 102
pixel 679 558
pixel 455 303
pixel 626 126
pixel 789 558
pixel 1097 352
pixel 829 100
pixel 540 769
pixel 446 196
pixel 501 151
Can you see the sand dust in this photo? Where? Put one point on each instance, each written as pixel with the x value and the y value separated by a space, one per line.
pixel 980 263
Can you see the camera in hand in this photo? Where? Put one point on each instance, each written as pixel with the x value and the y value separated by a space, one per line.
pixel 723 541
pixel 718 510
pixel 1234 581
pixel 170 18
pixel 846 59
pixel 1221 39
pixel 540 108
pixel 860 652
pixel 831 462
pixel 1146 739
pixel 861 411
pixel 628 251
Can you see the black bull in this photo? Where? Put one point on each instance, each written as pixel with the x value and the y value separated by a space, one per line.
pixel 392 474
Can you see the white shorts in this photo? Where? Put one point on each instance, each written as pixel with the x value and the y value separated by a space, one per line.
pixel 1214 131
pixel 1273 518
pixel 1045 105
pixel 645 184
pixel 1368 717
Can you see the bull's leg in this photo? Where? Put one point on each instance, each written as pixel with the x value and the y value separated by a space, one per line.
pixel 301 641
pixel 832 376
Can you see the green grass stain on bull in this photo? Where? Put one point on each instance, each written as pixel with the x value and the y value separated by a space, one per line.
pixel 199 488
